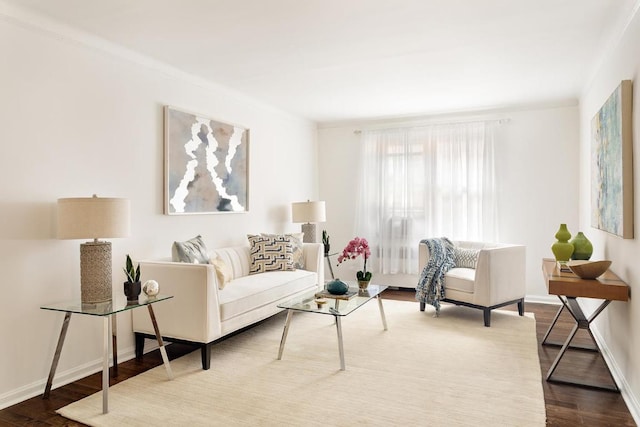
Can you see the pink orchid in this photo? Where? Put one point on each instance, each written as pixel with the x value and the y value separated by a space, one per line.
pixel 356 247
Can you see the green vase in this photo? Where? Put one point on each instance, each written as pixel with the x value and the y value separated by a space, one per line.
pixel 562 249
pixel 582 247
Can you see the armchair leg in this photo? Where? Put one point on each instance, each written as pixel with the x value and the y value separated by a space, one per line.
pixel 422 306
pixel 521 307
pixel 205 352
pixel 487 317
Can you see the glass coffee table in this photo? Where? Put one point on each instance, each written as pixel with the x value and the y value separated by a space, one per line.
pixel 338 308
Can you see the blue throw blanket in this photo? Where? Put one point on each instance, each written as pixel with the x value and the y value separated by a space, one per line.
pixel 430 289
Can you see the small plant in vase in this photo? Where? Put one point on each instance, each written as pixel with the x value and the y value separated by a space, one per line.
pixel 132 287
pixel 356 247
pixel 325 242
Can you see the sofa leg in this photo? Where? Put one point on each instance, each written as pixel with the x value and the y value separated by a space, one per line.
pixel 487 317
pixel 422 306
pixel 521 307
pixel 139 345
pixel 205 352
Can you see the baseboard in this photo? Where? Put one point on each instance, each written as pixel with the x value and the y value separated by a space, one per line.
pixel 61 378
pixel 542 299
pixel 625 389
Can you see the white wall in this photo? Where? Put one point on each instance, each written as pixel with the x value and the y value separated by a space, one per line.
pixel 536 172
pixel 618 326
pixel 80 118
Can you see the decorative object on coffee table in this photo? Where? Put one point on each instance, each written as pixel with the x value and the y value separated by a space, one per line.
pixel 562 249
pixel 151 288
pixel 132 286
pixel 337 287
pixel 582 247
pixel 356 247
pixel 94 218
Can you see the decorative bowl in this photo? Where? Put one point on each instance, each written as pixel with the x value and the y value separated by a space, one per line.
pixel 589 269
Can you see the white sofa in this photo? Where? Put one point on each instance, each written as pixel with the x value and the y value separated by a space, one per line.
pixel 202 313
pixel 498 279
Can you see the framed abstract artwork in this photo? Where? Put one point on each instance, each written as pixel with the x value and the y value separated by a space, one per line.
pixel 206 165
pixel 612 164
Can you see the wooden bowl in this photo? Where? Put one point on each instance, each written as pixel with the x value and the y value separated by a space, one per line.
pixel 589 269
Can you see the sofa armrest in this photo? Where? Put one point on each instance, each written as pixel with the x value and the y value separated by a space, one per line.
pixel 314 260
pixel 193 313
pixel 500 274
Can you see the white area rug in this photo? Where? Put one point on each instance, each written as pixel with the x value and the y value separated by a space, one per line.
pixel 444 371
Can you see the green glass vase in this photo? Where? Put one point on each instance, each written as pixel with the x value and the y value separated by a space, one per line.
pixel 562 249
pixel 582 247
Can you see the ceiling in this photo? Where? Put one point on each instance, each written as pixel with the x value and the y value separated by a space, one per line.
pixel 337 60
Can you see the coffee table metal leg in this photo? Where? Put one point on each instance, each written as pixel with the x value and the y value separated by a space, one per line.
pixel 163 351
pixel 384 318
pixel 284 333
pixel 114 344
pixel 56 355
pixel 553 323
pixel 340 346
pixel 106 334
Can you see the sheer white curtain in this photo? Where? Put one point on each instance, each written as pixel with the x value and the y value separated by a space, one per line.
pixel 428 181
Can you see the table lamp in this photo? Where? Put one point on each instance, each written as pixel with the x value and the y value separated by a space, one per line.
pixel 308 213
pixel 94 218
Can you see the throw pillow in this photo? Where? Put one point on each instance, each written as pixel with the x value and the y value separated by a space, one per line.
pixel 223 272
pixel 192 251
pixel 296 244
pixel 270 254
pixel 465 258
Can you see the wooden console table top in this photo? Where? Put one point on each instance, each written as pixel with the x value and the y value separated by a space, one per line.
pixel 608 286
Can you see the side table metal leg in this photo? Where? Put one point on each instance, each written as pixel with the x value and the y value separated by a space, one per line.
pixel 384 319
pixel 562 351
pixel 106 336
pixel 285 332
pixel 163 351
pixel 56 355
pixel 114 344
pixel 340 345
pixel 553 323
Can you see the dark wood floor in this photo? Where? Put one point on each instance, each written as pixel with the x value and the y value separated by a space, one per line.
pixel 566 405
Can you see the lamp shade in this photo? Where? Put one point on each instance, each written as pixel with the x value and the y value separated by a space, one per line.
pixel 308 211
pixel 93 218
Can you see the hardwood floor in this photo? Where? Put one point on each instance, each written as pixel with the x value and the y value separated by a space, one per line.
pixel 566 405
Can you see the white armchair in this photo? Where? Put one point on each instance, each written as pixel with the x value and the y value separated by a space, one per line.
pixel 498 279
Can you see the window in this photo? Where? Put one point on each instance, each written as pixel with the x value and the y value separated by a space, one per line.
pixel 430 181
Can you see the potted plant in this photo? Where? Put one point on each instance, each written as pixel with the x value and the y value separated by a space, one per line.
pixel 356 247
pixel 132 286
pixel 325 242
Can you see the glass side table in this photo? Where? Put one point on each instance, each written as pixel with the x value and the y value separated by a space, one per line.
pixel 107 311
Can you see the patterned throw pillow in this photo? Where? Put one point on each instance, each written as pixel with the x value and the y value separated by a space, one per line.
pixel 270 254
pixel 192 251
pixel 296 245
pixel 465 258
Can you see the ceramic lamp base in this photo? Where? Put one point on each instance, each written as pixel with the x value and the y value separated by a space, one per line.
pixel 309 231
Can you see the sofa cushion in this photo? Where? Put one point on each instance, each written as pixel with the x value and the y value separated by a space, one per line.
pixel 465 258
pixel 296 246
pixel 191 251
pixel 223 272
pixel 270 254
pixel 460 279
pixel 250 292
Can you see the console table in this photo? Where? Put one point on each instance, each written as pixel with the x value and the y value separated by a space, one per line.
pixel 567 287
pixel 107 311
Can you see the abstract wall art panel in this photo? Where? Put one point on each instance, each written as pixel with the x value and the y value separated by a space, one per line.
pixel 206 165
pixel 612 164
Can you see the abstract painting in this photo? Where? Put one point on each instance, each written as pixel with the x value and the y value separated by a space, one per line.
pixel 612 164
pixel 206 164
